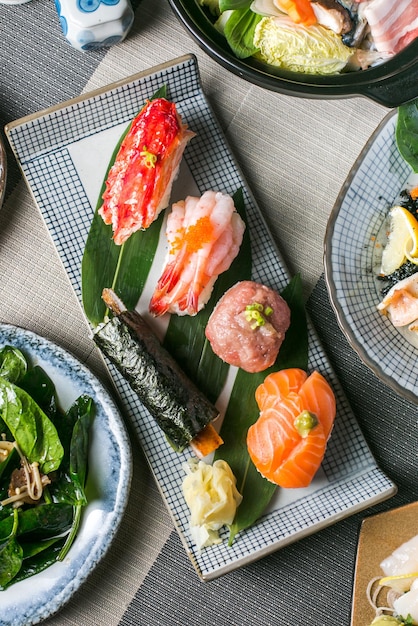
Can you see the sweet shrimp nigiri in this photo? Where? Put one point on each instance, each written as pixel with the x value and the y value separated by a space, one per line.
pixel 288 442
pixel 204 236
pixel 139 183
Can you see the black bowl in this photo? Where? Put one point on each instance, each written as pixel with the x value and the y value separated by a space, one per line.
pixel 391 84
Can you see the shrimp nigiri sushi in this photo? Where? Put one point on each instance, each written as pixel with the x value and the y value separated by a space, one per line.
pixel 287 443
pixel 204 236
pixel 139 183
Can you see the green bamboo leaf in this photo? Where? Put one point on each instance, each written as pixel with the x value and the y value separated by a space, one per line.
pixel 294 349
pixel 185 337
pixel 242 411
pixel 124 268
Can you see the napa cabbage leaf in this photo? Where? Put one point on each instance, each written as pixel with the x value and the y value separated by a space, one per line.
pixel 294 47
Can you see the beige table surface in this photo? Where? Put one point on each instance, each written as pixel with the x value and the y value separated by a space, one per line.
pixel 295 154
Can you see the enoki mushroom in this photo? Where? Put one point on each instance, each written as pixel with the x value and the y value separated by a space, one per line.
pixel 32 481
pixel 374 591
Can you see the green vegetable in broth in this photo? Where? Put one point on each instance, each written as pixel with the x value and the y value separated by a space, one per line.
pixel 407 133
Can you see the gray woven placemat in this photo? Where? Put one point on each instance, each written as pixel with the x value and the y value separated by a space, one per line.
pixel 311 579
pixel 29 79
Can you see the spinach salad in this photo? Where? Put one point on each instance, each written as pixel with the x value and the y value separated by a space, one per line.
pixel 43 468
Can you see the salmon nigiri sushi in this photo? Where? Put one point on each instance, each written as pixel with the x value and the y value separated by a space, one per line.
pixel 287 443
pixel 139 183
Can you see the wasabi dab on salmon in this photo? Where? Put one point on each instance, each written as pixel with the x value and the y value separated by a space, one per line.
pixel 288 441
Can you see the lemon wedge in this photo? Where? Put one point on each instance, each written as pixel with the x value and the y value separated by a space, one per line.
pixel 400 583
pixel 413 259
pixel 402 240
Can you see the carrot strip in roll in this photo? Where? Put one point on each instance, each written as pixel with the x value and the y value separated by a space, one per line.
pixel 173 400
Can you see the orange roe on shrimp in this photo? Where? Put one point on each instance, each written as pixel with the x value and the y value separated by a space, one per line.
pixel 204 235
pixel 195 236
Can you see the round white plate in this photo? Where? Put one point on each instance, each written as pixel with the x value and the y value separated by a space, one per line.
pixel 110 467
pixel 352 247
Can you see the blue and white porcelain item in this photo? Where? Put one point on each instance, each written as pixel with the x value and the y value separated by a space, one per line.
pixel 30 601
pixel 92 24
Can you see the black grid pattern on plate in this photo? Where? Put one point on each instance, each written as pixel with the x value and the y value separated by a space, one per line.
pixel 62 200
pixel 210 161
pixel 58 128
pixel 303 517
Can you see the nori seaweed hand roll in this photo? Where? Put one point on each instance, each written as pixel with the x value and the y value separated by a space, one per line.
pixel 178 407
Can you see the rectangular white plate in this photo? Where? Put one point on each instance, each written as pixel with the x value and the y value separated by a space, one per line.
pixel 63 153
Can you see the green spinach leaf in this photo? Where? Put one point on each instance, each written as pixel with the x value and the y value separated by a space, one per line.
pixel 32 538
pixel 40 560
pixel 79 447
pixel 11 555
pixel 13 364
pixel 32 548
pixel 40 387
pixel 11 462
pixel 45 521
pixel 70 486
pixel 78 465
pixel 33 431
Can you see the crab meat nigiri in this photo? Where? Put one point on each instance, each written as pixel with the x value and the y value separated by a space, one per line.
pixel 287 443
pixel 204 236
pixel 139 183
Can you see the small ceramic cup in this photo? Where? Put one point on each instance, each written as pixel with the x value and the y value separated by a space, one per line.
pixel 92 24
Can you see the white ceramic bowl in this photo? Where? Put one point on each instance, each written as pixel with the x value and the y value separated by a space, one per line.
pixel 110 467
